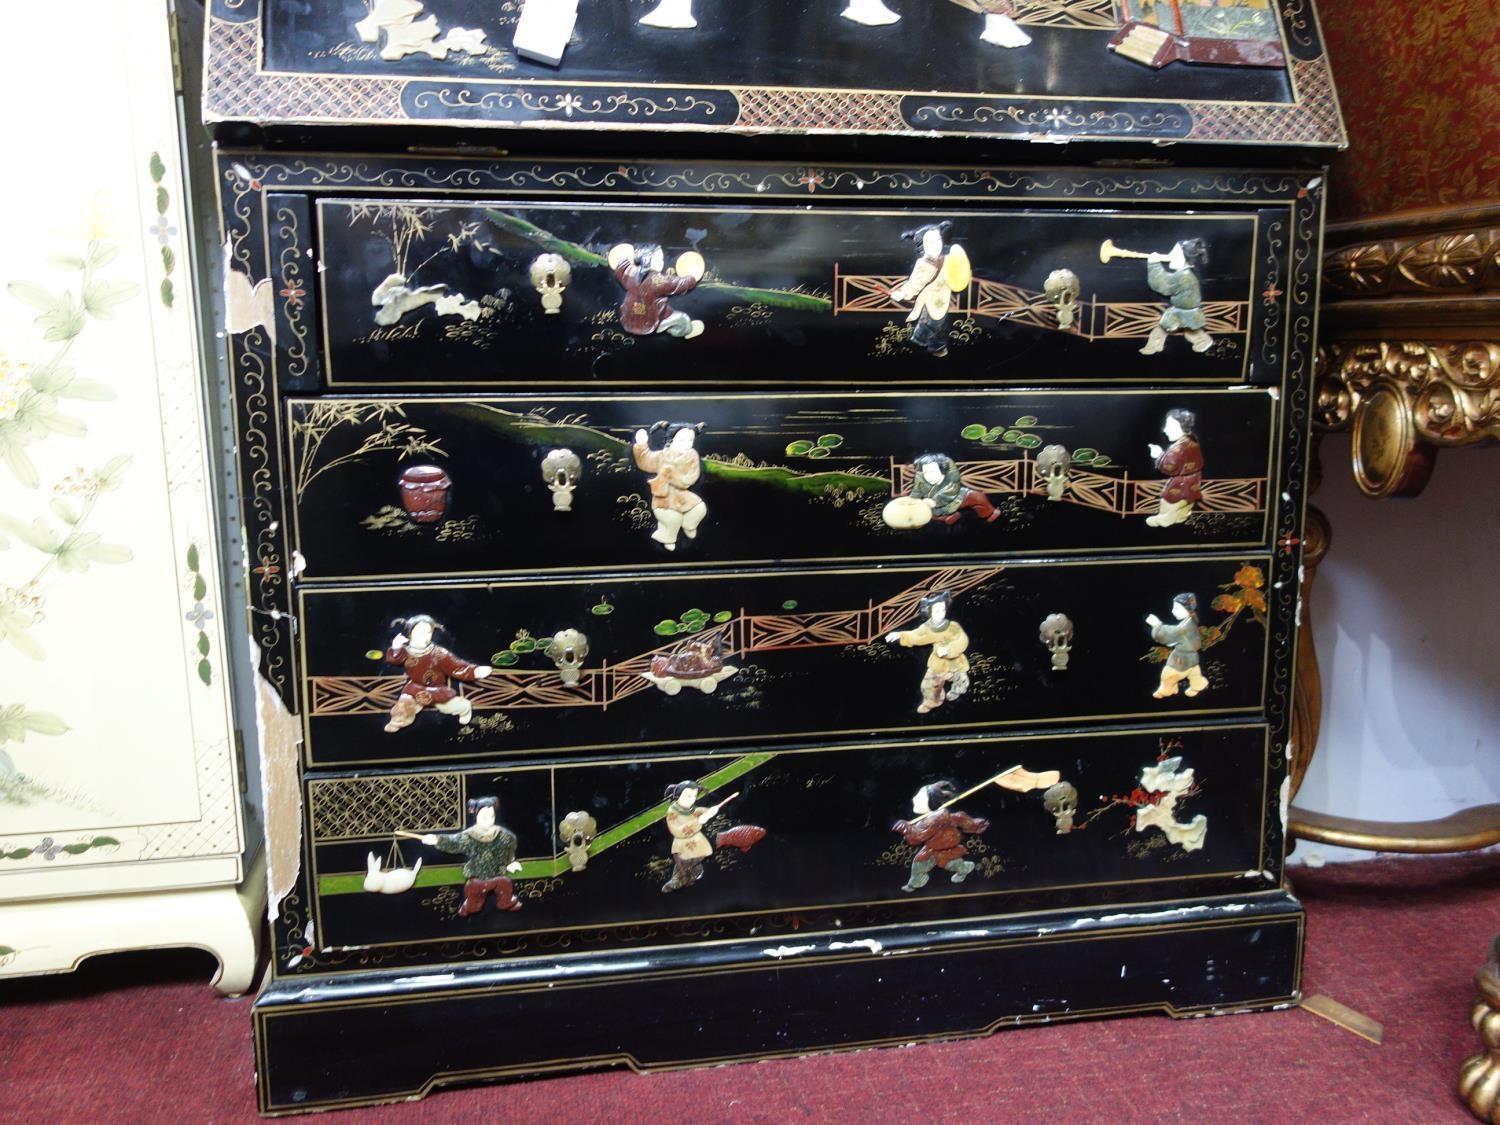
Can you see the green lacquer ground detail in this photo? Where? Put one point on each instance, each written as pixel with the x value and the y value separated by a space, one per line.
pixel 453 874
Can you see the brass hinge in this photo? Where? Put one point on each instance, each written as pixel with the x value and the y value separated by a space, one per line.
pixel 176 49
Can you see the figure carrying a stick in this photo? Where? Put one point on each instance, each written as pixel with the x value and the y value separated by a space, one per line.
pixel 939 830
pixel 690 845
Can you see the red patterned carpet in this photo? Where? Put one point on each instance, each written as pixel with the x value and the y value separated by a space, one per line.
pixel 141 1038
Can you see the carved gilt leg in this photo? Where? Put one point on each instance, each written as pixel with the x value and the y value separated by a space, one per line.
pixel 1479 1078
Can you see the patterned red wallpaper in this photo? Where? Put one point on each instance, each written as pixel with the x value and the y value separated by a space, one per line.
pixel 1420 85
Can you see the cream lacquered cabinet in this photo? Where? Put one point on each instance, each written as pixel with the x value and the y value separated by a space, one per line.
pixel 122 808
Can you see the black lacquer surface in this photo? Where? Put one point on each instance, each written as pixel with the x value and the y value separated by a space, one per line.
pixel 808 939
pixel 828 816
pixel 809 648
pixel 773 493
pixel 800 43
pixel 792 295
pixel 889 986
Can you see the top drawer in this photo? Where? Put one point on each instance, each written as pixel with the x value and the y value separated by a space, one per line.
pixel 1033 70
pixel 439 292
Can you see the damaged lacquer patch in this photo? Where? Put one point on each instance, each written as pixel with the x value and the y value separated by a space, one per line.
pixel 280 736
pixel 247 304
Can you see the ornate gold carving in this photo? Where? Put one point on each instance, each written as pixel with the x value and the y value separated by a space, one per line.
pixel 1455 262
pixel 1307 690
pixel 1464 831
pixel 1479 1078
pixel 1404 399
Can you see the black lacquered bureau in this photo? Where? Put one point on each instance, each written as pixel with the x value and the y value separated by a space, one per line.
pixel 774 535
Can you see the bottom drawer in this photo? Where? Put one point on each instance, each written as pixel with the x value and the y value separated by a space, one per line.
pixel 803 840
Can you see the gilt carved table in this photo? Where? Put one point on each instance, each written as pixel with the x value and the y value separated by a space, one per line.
pixel 1409 364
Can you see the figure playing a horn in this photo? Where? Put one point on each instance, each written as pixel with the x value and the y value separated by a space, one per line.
pixel 1175 277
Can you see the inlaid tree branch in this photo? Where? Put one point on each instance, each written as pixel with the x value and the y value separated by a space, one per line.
pixel 390 434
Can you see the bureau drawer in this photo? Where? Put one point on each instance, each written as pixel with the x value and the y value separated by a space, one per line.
pixel 806 842
pixel 620 663
pixel 416 487
pixel 437 291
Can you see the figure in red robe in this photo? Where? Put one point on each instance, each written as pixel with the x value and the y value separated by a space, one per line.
pixel 647 309
pixel 938 835
pixel 429 669
pixel 1182 464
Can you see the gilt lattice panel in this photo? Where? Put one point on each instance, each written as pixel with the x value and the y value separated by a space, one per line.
pixel 358 807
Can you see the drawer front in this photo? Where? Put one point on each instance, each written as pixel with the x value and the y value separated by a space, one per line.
pixel 807 839
pixel 625 663
pixel 428 292
pixel 412 487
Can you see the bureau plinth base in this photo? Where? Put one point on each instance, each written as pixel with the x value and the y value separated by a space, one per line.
pixel 385 1036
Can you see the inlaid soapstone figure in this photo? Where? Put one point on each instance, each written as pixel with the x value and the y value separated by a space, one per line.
pixel 1174 276
pixel 1181 462
pixel 697 663
pixel 576 833
pixel 1061 800
pixel 430 671
pixel 561 469
pixel 938 832
pixel 649 287
pixel 947 675
pixel 424 492
pixel 1057 636
pixel 676 465
pixel 550 274
pixel 393 877
pixel 937 483
pixel 489 851
pixel 670 14
pixel 1000 27
pixel 1168 783
pixel 568 649
pixel 1062 289
pixel 936 275
pixel 1052 465
pixel 690 844
pixel 393 298
pixel 1184 639
pixel 407 35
